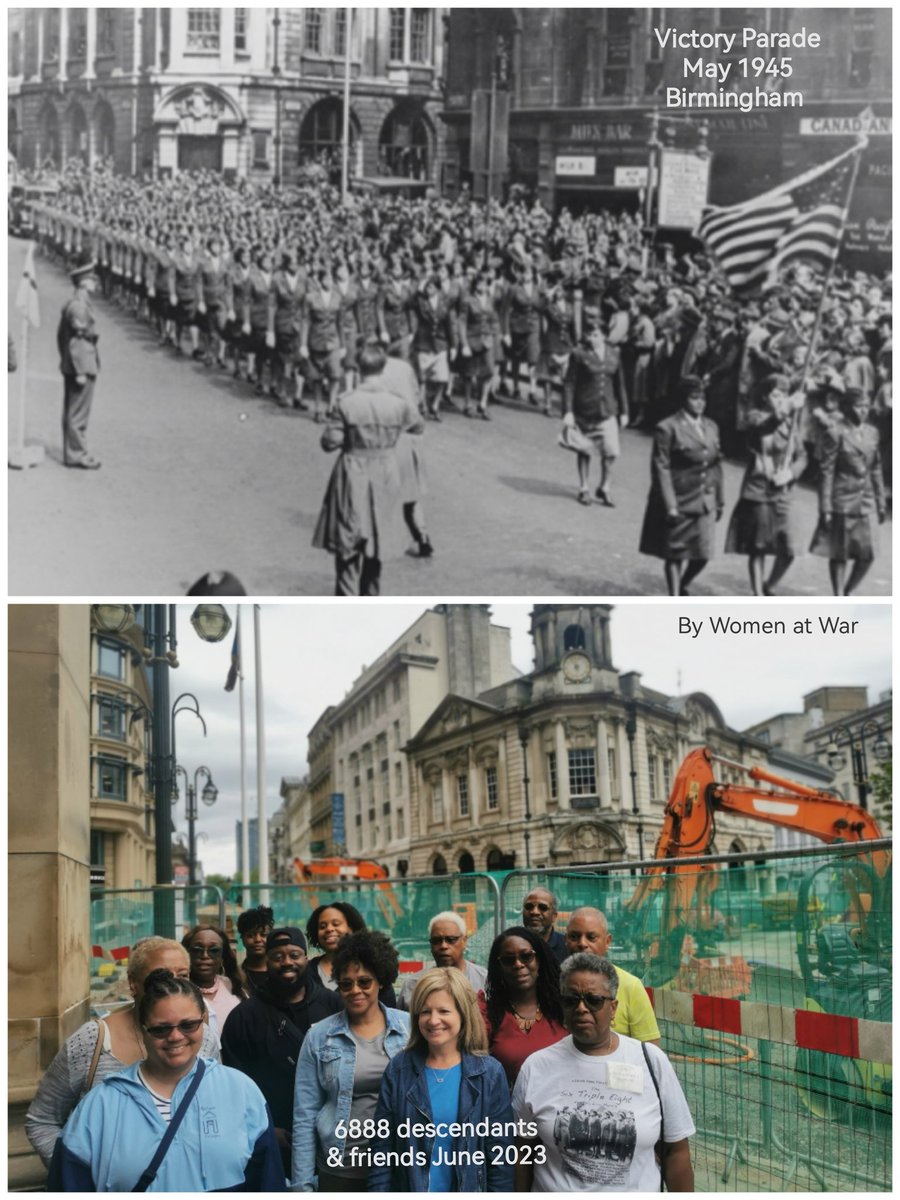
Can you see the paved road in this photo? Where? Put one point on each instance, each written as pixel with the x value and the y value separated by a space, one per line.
pixel 187 485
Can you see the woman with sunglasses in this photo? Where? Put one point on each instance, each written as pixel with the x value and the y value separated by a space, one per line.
pixel 340 1068
pixel 101 1048
pixel 601 1102
pixel 215 971
pixel 325 930
pixel 120 1133
pixel 520 1001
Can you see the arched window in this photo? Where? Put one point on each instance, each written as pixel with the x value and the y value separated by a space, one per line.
pixel 321 138
pixel 465 866
pixel 50 137
pixel 78 133
pixel 439 866
pixel 574 638
pixel 495 860
pixel 104 131
pixel 403 147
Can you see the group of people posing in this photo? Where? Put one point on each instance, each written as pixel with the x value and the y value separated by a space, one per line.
pixel 287 288
pixel 540 1072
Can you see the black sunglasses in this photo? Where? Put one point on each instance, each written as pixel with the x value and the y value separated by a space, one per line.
pixel 593 1002
pixel 364 982
pixel 450 938
pixel 510 960
pixel 210 951
pixel 159 1032
pixel 539 905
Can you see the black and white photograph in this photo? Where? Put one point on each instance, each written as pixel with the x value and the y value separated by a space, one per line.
pixel 450 301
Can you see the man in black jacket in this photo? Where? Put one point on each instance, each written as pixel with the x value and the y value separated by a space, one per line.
pixel 263 1035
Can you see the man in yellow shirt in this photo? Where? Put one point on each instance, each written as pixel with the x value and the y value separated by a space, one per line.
pixel 588 930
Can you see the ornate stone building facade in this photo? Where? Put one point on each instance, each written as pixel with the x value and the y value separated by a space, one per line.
pixel 247 91
pixel 570 764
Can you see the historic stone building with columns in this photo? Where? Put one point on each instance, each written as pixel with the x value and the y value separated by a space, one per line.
pixel 247 91
pixel 569 764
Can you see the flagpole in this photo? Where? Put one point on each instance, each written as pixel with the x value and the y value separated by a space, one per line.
pixel 345 144
pixel 860 146
pixel 262 836
pixel 245 827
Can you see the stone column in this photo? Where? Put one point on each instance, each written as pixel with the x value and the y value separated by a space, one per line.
pixel 605 783
pixel 48 950
pixel 158 41
pixel 90 50
pixel 226 38
pixel 63 44
pixel 562 764
pixel 623 766
pixel 476 777
pixel 502 793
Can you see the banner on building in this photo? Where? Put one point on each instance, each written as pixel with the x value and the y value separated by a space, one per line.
pixel 338 819
pixel 683 188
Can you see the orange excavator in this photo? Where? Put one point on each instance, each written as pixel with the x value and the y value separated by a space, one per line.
pixel 331 871
pixel 681 893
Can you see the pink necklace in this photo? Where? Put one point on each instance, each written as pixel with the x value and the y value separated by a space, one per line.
pixel 211 991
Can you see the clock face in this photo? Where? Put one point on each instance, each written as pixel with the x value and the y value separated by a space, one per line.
pixel 577 667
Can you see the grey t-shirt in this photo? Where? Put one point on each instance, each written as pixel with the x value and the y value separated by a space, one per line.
pixel 371 1061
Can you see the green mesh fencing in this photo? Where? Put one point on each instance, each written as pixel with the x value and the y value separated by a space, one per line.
pixel 401 908
pixel 790 933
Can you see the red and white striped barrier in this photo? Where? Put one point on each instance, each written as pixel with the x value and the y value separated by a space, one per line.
pixel 806 1029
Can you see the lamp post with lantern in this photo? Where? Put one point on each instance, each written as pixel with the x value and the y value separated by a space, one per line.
pixel 855 740
pixel 209 795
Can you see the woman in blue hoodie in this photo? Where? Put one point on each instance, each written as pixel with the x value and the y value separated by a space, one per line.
pixel 443 1079
pixel 225 1141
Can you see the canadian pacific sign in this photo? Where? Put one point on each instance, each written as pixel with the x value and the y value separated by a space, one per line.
pixel 864 124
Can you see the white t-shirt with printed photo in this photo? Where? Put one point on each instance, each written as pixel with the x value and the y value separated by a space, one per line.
pixel 598 1116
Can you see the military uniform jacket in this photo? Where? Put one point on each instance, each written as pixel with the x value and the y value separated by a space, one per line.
pixel 686 464
pixel 594 385
pixel 851 482
pixel 435 329
pixel 77 338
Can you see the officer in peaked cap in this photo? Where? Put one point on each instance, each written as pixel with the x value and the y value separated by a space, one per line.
pixel 77 339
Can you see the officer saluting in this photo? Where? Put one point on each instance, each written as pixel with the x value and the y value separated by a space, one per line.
pixel 77 338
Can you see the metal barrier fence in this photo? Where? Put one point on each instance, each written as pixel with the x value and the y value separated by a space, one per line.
pixel 121 917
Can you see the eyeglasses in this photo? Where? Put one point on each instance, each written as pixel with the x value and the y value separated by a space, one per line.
pixel 530 905
pixel 450 938
pixel 208 951
pixel 161 1032
pixel 593 1002
pixel 364 983
pixel 524 956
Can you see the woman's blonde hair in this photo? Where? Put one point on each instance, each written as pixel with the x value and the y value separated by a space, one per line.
pixel 145 950
pixel 472 1034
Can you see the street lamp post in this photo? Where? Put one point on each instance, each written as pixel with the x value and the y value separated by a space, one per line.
pixel 211 623
pixel 276 75
pixel 523 738
pixel 209 795
pixel 881 748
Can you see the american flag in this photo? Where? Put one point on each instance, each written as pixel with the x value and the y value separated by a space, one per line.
pixel 803 218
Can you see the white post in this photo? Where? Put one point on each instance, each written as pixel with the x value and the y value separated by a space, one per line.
pixel 23 380
pixel 157 41
pixel 63 44
pixel 263 841
pixel 90 50
pixel 345 148
pixel 41 17
pixel 245 828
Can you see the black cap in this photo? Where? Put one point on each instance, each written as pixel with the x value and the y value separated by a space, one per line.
pixel 286 935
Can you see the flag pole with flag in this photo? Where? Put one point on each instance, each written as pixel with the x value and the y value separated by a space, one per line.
pixel 20 456
pixel 803 218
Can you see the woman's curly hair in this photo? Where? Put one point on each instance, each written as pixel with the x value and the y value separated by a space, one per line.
pixel 371 950
pixel 547 983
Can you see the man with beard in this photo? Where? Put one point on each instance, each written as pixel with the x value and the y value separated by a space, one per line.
pixel 539 912
pixel 264 1034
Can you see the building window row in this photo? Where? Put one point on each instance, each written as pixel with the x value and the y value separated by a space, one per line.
pixel 110 659
pixel 462 795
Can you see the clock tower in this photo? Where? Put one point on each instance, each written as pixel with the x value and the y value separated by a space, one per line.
pixel 572 649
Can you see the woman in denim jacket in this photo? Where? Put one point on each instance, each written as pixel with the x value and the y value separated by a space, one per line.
pixel 340 1069
pixel 444 1077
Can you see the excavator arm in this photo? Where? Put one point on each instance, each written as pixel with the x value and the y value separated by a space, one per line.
pixel 688 828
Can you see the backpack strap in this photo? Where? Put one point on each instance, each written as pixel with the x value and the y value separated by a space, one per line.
pixel 660 1145
pixel 95 1058
pixel 153 1167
